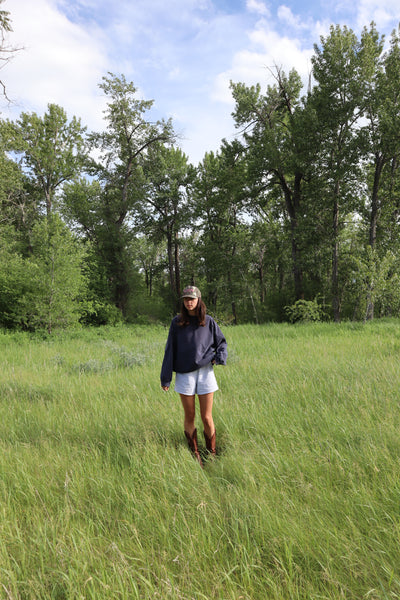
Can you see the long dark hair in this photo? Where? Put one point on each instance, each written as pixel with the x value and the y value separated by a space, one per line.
pixel 184 317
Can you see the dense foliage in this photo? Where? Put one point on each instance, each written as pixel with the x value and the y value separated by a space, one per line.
pixel 304 206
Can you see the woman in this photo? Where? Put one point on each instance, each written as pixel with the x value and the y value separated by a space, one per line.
pixel 195 343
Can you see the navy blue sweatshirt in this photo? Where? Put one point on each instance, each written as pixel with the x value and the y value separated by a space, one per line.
pixel 190 347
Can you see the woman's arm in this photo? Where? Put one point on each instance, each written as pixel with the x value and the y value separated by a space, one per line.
pixel 221 350
pixel 167 365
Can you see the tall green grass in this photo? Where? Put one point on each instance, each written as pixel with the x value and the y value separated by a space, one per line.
pixel 101 499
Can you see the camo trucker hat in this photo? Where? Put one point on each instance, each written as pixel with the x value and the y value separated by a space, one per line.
pixel 191 292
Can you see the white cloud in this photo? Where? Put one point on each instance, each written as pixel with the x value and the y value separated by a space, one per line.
pixel 181 53
pixel 61 63
pixel 174 73
pixel 303 26
pixel 257 6
pixel 286 15
pixel 382 12
pixel 205 133
pixel 252 65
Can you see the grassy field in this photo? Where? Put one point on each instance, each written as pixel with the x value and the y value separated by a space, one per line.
pixel 101 499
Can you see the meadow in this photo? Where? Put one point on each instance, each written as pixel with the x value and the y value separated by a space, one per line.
pixel 101 499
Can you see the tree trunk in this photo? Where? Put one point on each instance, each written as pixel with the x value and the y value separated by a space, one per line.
pixel 177 269
pixel 297 271
pixel 234 312
pixel 261 281
pixel 170 264
pixel 213 296
pixel 118 269
pixel 122 294
pixel 292 201
pixel 335 257
pixel 48 202
pixel 171 272
pixel 121 285
pixel 233 303
pixel 379 163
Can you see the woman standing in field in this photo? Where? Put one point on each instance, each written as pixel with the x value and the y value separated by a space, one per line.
pixel 195 343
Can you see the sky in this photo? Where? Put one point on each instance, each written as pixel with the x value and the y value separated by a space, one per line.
pixel 181 54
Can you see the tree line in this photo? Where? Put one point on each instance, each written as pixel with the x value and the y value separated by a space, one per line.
pixel 297 217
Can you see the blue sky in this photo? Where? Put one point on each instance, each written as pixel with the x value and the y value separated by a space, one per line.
pixel 179 53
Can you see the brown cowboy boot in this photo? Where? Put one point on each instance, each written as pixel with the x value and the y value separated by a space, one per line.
pixel 210 443
pixel 192 441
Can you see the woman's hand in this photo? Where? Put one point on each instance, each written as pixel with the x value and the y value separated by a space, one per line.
pixel 165 388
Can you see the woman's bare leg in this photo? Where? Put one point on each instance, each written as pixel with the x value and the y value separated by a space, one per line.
pixel 188 403
pixel 206 406
pixel 189 407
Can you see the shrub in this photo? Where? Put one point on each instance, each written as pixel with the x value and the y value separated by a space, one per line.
pixel 305 311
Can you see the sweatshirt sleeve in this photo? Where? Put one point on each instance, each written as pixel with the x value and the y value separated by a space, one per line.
pixel 166 368
pixel 221 351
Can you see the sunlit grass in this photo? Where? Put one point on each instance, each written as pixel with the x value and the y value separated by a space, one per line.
pixel 100 498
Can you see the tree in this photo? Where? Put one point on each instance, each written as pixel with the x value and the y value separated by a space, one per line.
pixel 52 149
pixel 382 137
pixel 18 201
pixel 164 213
pixel 5 22
pixel 6 51
pixel 57 283
pixel 218 202
pixel 118 172
pixel 150 259
pixel 15 279
pixel 278 130
pixel 342 66
pixel 269 254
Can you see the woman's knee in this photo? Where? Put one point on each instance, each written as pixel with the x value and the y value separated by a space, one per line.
pixel 207 420
pixel 189 407
pixel 190 416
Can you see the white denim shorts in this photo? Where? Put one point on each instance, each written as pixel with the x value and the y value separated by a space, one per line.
pixel 201 381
